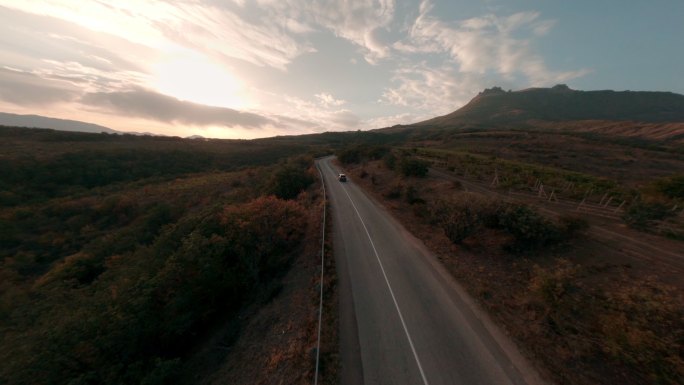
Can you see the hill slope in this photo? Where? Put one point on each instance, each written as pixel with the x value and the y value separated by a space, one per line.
pixel 561 103
pixel 37 121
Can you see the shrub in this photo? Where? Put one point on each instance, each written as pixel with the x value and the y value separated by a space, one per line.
pixel 390 161
pixel 641 214
pixel 412 195
pixel 413 167
pixel 672 187
pixel 530 229
pixel 463 215
pixel 377 152
pixel 349 156
pixel 289 180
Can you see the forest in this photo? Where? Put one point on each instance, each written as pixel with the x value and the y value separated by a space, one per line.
pixel 118 253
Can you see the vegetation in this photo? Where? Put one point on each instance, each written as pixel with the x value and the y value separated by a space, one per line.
pixel 114 277
pixel 410 166
pixel 362 153
pixel 46 164
pixel 292 178
pixel 634 329
pixel 520 175
pixel 466 215
pixel 588 318
pixel 672 187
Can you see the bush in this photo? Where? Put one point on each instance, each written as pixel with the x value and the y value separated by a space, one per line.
pixel 413 167
pixel 529 228
pixel 349 156
pixel 463 215
pixel 390 161
pixel 641 214
pixel 289 180
pixel 412 195
pixel 672 187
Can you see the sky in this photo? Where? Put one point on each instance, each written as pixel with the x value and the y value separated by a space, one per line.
pixel 249 69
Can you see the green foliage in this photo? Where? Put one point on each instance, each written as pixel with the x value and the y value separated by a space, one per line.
pixel 62 164
pixel 289 180
pixel 361 153
pixel 672 187
pixel 466 214
pixel 349 155
pixel 130 317
pixel 410 166
pixel 641 214
pixel 529 229
pixel 412 195
pixel 116 285
pixel 390 160
pixel 463 215
pixel 520 175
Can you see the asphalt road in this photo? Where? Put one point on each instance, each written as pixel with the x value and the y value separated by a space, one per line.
pixel 403 319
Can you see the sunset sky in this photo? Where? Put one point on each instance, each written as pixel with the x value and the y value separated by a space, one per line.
pixel 245 69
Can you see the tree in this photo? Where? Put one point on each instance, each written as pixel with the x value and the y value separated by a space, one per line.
pixel 413 167
pixel 289 180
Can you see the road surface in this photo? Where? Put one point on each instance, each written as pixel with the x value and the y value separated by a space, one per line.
pixel 403 319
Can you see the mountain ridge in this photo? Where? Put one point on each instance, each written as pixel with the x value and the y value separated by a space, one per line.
pixel 561 103
pixel 38 121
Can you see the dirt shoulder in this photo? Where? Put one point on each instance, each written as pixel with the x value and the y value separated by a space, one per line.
pixel 584 311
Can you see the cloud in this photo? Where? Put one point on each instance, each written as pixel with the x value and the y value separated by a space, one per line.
pixel 218 29
pixel 487 44
pixel 24 88
pixel 436 90
pixel 471 54
pixel 391 120
pixel 360 21
pixel 154 106
pixel 328 100
pixel 344 119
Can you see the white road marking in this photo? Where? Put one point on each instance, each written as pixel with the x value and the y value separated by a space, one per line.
pixel 396 305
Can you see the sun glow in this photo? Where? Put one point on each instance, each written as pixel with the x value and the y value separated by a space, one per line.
pixel 195 78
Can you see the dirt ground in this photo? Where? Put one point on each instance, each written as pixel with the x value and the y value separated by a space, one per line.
pixel 274 340
pixel 610 258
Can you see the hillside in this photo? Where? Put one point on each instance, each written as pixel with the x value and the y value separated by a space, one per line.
pixel 37 121
pixel 560 103
pixel 121 256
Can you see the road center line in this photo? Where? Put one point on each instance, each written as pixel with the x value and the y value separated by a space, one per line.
pixel 396 305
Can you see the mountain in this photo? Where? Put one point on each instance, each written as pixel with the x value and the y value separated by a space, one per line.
pixel 562 104
pixel 36 121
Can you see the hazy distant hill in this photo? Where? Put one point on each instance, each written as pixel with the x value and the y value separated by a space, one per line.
pixel 36 121
pixel 561 103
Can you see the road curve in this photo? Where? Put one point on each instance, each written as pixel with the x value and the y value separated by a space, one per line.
pixel 403 319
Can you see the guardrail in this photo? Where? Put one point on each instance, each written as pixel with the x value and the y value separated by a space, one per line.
pixel 320 306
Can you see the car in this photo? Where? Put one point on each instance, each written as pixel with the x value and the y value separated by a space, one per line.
pixel 342 178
